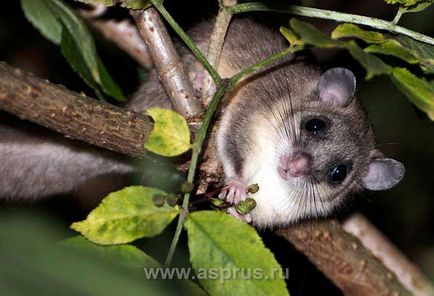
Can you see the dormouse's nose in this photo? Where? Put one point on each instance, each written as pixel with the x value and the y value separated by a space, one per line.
pixel 299 164
pixel 295 165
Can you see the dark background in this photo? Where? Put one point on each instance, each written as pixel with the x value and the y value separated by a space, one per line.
pixel 404 214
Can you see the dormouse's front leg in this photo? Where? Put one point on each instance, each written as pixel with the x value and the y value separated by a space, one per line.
pixel 234 192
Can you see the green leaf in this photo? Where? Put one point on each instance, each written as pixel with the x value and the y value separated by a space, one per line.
pixel 129 256
pixel 73 55
pixel 311 35
pixel 290 35
pixel 134 4
pixel 221 243
pixel 99 2
pixel 170 136
pixel 126 215
pixel 417 7
pixel 124 254
pixel 393 48
pixel 411 5
pixel 56 20
pixel 373 65
pixel 85 45
pixel 34 263
pixel 108 85
pixel 79 32
pixel 351 30
pixel 407 3
pixel 420 92
pixel 424 52
pixel 38 13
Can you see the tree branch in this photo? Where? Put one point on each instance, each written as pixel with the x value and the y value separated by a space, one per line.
pixel 341 256
pixel 72 114
pixel 187 40
pixel 330 15
pixel 407 273
pixel 216 43
pixel 124 34
pixel 167 62
pixel 343 259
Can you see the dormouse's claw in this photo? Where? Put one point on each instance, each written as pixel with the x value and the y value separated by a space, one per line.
pixel 234 191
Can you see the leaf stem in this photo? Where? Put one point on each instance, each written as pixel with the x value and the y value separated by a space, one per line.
pixel 197 148
pixel 330 15
pixel 263 63
pixel 187 40
pixel 398 15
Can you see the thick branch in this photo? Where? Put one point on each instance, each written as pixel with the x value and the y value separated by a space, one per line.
pixel 407 273
pixel 167 62
pixel 343 259
pixel 72 114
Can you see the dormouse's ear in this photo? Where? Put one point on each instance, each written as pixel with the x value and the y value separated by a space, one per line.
pixel 383 173
pixel 337 87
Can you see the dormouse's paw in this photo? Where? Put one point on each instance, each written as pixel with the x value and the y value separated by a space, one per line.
pixel 203 84
pixel 234 191
pixel 233 212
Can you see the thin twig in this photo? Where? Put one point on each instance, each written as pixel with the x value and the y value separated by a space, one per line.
pixel 187 40
pixel 124 34
pixel 330 15
pixel 215 46
pixel 398 16
pixel 218 34
pixel 261 64
pixel 197 149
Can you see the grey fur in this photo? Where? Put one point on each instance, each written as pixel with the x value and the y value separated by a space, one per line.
pixel 37 163
pixel 271 107
pixel 277 99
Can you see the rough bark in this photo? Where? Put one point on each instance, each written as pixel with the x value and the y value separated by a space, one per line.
pixel 170 69
pixel 72 114
pixel 125 35
pixel 407 273
pixel 341 256
pixel 343 259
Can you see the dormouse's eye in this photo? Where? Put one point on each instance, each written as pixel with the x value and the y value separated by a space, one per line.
pixel 338 173
pixel 315 125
